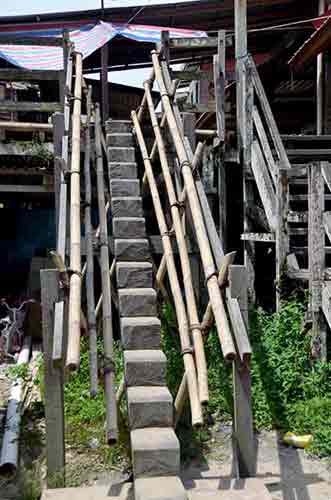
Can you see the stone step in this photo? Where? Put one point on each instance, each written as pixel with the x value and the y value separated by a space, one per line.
pixel 155 452
pixel 145 368
pixel 149 407
pixel 215 489
pixel 129 227
pixel 134 274
pixel 124 187
pixel 89 493
pixel 118 126
pixel 129 206
pixel 121 154
pixel 121 139
pixel 140 333
pixel 136 250
pixel 137 302
pixel 159 488
pixel 120 170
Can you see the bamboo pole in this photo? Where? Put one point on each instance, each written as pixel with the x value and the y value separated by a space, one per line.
pixel 200 358
pixel 174 282
pixel 99 304
pixel 92 327
pixel 73 350
pixel 107 327
pixel 206 325
pixel 216 299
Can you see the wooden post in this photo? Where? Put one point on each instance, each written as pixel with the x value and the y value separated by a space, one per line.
pixel 320 81
pixel 104 83
pixel 54 406
pixel 282 237
pixel 58 131
pixel 316 257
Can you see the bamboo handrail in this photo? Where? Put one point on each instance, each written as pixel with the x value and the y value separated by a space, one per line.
pixel 73 350
pixel 92 326
pixel 210 272
pixel 174 282
pixel 109 373
pixel 192 310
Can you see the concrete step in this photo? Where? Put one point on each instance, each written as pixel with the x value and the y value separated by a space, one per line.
pixel 149 407
pixel 134 274
pixel 155 452
pixel 118 126
pixel 120 188
pixel 121 139
pixel 216 489
pixel 129 227
pixel 129 206
pixel 136 250
pixel 124 155
pixel 159 488
pixel 88 493
pixel 137 302
pixel 145 368
pixel 140 333
pixel 120 170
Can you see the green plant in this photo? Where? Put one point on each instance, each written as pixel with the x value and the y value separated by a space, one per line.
pixel 17 372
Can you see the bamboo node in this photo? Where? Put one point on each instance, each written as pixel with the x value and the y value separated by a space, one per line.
pixel 170 233
pixel 210 275
pixel 74 98
pixel 74 271
pixel 107 364
pixel 187 350
pixel 178 204
pixel 185 163
pixel 196 326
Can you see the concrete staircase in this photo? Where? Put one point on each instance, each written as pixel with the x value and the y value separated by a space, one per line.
pixel 154 445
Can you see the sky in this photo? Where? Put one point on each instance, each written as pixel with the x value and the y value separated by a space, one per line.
pixel 134 78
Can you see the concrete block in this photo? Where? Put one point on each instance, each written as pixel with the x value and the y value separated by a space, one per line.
pixel 120 139
pixel 140 333
pixel 149 407
pixel 159 488
pixel 129 227
pixel 134 275
pixel 137 302
pixel 119 170
pixel 121 154
pixel 118 126
pixel 133 250
pixel 145 367
pixel 131 206
pixel 124 187
pixel 155 452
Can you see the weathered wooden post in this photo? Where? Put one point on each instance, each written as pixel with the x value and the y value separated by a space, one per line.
pixel 282 236
pixel 54 405
pixel 104 83
pixel 316 258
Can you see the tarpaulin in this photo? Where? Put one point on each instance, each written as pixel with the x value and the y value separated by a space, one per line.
pixel 87 38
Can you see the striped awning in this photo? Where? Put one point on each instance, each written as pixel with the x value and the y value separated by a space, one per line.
pixel 87 38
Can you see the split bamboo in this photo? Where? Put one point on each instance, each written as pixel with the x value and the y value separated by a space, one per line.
pixel 92 327
pixel 73 350
pixel 210 272
pixel 200 358
pixel 107 327
pixel 174 283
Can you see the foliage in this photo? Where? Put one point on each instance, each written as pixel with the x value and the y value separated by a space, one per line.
pixel 17 372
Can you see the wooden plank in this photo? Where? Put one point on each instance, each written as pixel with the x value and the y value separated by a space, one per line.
pixel 304 197
pixel 191 76
pixel 268 115
pixel 13 148
pixel 104 83
pixel 17 75
pixel 25 188
pixel 219 85
pixel 54 405
pixel 282 233
pixel 264 185
pixel 198 108
pixel 265 145
pixel 193 43
pixel 26 126
pixel 261 237
pixel 297 217
pixel 326 171
pixel 316 258
pixel 309 154
pixel 37 41
pixel 23 106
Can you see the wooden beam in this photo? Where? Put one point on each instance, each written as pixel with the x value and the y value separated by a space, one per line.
pixel 317 43
pixel 219 86
pixel 282 232
pixel 265 146
pixel 260 237
pixel 190 76
pixel 104 83
pixel 22 188
pixel 26 126
pixel 193 43
pixel 38 41
pixel 16 75
pixel 41 107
